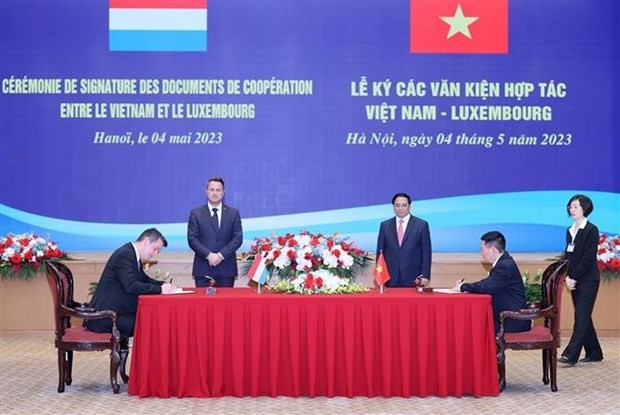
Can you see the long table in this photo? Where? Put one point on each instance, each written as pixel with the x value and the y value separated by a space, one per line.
pixel 240 343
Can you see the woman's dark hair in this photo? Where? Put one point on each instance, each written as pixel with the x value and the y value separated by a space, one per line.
pixel 585 203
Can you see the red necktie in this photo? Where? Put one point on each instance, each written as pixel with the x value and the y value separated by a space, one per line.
pixel 401 232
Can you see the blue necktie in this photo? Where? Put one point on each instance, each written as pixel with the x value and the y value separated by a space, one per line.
pixel 216 222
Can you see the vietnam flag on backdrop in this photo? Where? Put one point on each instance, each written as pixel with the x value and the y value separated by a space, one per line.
pixel 158 25
pixel 381 272
pixel 459 26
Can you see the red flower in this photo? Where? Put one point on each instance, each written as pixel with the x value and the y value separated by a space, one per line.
pixel 292 242
pixel 266 247
pixel 614 264
pixel 318 281
pixel 281 240
pixel 8 242
pixel 16 259
pixel 309 283
pixel 23 242
pixel 314 242
pixel 291 254
pixel 28 255
pixel 336 253
pixel 330 243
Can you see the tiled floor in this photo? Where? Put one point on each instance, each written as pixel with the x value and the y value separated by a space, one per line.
pixel 28 381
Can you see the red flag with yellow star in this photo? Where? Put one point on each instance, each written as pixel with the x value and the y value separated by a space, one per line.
pixel 381 272
pixel 459 26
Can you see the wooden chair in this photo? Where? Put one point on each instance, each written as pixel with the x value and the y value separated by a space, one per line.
pixel 546 336
pixel 69 338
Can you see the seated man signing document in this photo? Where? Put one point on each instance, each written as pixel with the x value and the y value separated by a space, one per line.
pixel 504 282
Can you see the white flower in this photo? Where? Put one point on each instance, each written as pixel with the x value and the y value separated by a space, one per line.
pixel 282 261
pixel 345 259
pixel 303 240
pixel 329 259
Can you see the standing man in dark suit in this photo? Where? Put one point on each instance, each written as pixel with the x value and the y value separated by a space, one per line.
pixel 504 282
pixel 405 241
pixel 123 280
pixel 214 233
pixel 583 281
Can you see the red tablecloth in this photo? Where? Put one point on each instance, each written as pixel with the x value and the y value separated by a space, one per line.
pixel 239 343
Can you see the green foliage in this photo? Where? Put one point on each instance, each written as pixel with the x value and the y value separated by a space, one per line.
pixel 533 288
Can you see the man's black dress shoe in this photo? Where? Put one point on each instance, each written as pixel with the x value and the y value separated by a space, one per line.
pixel 589 360
pixel 564 360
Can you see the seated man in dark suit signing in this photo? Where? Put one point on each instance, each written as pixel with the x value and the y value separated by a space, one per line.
pixel 123 279
pixel 504 282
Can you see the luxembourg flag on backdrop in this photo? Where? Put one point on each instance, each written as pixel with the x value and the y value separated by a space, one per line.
pixel 158 25
pixel 258 271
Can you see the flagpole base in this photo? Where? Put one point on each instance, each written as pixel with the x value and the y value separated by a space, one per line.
pixel 259 289
pixel 381 289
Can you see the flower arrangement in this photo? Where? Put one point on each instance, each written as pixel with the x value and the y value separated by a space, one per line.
pixel 608 257
pixel 307 263
pixel 23 255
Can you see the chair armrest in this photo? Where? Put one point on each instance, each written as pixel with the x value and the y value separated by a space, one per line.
pixel 525 314
pixel 84 308
pixel 89 315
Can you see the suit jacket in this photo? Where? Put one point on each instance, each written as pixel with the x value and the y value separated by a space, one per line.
pixel 204 238
pixel 405 263
pixel 582 263
pixel 505 285
pixel 122 281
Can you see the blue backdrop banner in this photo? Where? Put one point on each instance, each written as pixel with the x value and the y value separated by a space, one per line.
pixel 489 114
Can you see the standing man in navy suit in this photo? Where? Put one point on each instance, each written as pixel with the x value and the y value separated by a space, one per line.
pixel 504 282
pixel 214 233
pixel 405 241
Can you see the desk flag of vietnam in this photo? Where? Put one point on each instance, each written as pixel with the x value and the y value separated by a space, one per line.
pixel 381 273
pixel 459 26
pixel 258 271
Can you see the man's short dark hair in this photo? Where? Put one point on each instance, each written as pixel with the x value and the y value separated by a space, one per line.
pixel 405 195
pixel 152 235
pixel 216 179
pixel 584 201
pixel 496 239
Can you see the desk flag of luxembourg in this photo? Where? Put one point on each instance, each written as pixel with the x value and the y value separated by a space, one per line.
pixel 381 273
pixel 258 271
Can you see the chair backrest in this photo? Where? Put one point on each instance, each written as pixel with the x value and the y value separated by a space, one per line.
pixel 66 279
pixel 546 277
pixel 552 285
pixel 59 298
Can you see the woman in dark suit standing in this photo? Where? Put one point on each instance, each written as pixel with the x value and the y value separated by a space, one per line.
pixel 583 280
